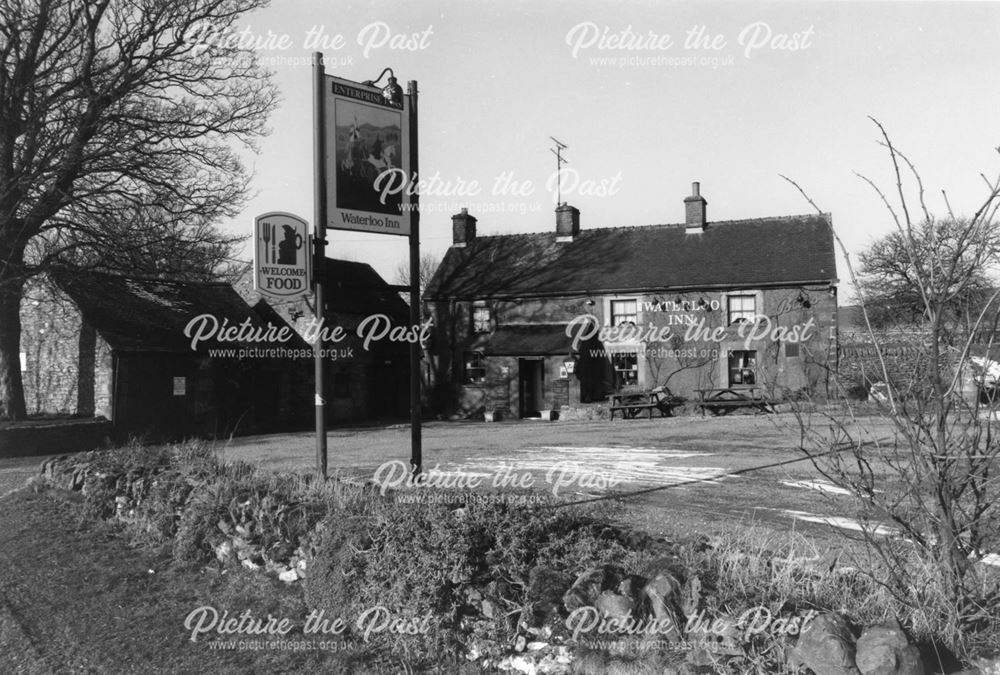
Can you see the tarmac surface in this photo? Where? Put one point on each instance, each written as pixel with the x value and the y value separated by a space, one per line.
pixel 685 473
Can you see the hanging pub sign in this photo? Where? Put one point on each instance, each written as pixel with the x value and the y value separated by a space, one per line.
pixel 282 261
pixel 367 154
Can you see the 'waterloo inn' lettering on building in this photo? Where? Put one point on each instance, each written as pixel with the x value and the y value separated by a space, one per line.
pixel 533 322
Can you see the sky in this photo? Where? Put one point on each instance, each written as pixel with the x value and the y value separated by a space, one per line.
pixel 648 97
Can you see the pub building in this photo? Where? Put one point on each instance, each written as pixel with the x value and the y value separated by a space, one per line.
pixel 528 324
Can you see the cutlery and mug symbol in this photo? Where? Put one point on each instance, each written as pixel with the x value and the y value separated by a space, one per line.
pixel 289 246
pixel 284 252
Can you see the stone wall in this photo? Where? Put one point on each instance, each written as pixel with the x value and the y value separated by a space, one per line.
pixel 860 363
pixel 50 438
pixel 688 349
pixel 68 366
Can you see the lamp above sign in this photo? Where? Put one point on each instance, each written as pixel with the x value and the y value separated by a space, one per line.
pixel 368 164
pixel 282 265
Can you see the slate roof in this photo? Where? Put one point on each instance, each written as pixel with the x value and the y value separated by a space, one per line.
pixel 150 315
pixel 524 339
pixel 356 288
pixel 729 254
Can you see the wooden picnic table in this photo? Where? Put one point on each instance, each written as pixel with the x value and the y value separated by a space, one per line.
pixel 722 400
pixel 631 404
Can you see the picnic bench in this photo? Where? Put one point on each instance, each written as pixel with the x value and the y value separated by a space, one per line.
pixel 632 403
pixel 723 400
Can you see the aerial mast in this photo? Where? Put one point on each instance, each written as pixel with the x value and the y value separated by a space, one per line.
pixel 557 151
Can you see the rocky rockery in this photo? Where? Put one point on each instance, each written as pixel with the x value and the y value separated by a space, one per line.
pixel 564 615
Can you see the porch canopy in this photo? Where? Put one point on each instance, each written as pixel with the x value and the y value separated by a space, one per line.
pixel 536 339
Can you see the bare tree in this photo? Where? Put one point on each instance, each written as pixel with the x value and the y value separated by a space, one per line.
pixel 673 356
pixel 112 105
pixel 142 240
pixel 934 480
pixel 428 265
pixel 889 275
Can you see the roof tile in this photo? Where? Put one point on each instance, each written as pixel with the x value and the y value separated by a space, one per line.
pixel 741 253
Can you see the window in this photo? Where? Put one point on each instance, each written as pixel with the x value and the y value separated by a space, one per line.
pixel 626 366
pixel 475 368
pixel 791 349
pixel 741 308
pixel 624 311
pixel 742 367
pixel 481 319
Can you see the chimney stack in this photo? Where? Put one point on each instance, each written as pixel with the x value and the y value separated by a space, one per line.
pixel 567 222
pixel 694 210
pixel 463 228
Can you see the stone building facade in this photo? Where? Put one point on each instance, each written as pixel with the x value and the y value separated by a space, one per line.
pixel 534 322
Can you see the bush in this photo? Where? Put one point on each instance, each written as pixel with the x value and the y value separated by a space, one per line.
pixel 856 392
pixel 430 559
pixel 475 577
pixel 245 515
pixel 183 495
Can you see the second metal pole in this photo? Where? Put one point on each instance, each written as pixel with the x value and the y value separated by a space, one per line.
pixel 319 262
pixel 416 452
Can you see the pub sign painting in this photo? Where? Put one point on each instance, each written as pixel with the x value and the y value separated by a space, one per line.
pixel 367 153
pixel 282 255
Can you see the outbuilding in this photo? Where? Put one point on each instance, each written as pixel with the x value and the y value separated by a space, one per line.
pixel 121 347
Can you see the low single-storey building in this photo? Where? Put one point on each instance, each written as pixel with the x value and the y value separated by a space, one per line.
pixel 121 347
pixel 526 323
pixel 130 349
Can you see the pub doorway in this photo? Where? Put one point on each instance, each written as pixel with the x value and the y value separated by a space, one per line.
pixel 531 386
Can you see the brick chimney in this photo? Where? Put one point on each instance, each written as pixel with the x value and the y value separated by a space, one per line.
pixel 567 222
pixel 463 228
pixel 694 210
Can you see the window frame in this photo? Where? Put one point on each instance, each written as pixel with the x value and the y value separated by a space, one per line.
pixel 742 318
pixel 746 361
pixel 479 328
pixel 632 368
pixel 469 359
pixel 611 311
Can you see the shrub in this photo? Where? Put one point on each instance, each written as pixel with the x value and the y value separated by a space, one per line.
pixel 263 516
pixel 431 559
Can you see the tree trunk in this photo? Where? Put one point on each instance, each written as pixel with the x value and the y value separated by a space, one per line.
pixel 12 405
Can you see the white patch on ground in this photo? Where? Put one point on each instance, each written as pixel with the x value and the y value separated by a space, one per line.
pixel 822 486
pixel 665 454
pixel 880 530
pixel 837 521
pixel 437 474
pixel 619 465
pixel 991 559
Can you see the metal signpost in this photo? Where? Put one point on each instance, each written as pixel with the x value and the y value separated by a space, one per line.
pixel 364 158
pixel 319 218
